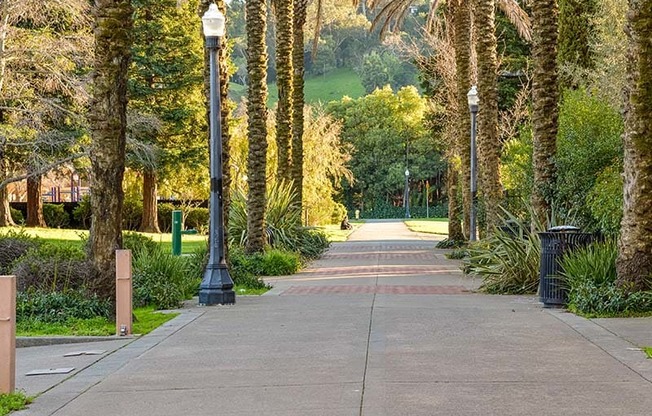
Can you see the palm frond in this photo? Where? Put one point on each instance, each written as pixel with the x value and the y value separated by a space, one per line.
pixel 518 17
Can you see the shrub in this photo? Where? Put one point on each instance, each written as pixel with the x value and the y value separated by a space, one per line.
pixel 132 214
pixel 605 201
pixel 310 243
pixel 197 219
pixel 17 216
pixel 13 245
pixel 590 277
pixel 165 216
pixel 82 212
pixel 137 242
pixel 60 307
pixel 53 267
pixel 55 216
pixel 162 280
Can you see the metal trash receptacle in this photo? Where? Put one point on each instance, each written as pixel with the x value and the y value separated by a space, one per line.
pixel 556 242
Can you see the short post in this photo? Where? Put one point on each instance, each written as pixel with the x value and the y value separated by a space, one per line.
pixel 123 289
pixel 176 233
pixel 7 334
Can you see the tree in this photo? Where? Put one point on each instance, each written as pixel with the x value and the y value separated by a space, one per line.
pixel 489 146
pixel 634 264
pixel 108 116
pixel 545 98
pixel 298 99
pixel 284 12
pixel 165 80
pixel 576 30
pixel 257 123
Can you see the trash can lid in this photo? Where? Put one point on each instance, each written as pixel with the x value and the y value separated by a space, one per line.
pixel 563 228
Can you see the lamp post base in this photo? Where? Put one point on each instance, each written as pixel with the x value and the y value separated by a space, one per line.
pixel 217 287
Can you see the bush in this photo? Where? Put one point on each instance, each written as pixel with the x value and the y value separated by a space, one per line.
pixel 605 201
pixel 132 214
pixel 13 245
pixel 197 219
pixel 310 243
pixel 60 307
pixel 165 216
pixel 53 267
pixel 162 280
pixel 55 216
pixel 82 212
pixel 137 242
pixel 590 277
pixel 17 216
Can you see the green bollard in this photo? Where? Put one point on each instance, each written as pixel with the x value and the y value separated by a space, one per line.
pixel 176 233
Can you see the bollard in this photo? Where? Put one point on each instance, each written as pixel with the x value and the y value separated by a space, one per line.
pixel 123 288
pixel 176 233
pixel 7 334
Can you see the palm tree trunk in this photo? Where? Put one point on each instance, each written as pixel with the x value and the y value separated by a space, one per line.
pixel 298 100
pixel 283 10
pixel 634 264
pixel 149 223
pixel 256 21
pixel 489 147
pixel 113 23
pixel 462 28
pixel 545 98
pixel 34 203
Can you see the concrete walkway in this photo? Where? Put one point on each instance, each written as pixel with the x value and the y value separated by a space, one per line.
pixel 383 324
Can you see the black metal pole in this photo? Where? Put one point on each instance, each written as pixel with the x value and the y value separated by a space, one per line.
pixel 217 286
pixel 474 173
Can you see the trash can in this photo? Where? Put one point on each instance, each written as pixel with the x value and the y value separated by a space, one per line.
pixel 556 242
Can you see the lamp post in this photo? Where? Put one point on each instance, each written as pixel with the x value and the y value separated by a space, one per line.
pixel 217 286
pixel 407 193
pixel 474 103
pixel 74 188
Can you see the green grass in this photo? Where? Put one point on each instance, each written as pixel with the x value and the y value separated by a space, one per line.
pixel 334 234
pixel 429 225
pixel 189 243
pixel 247 291
pixel 648 351
pixel 147 319
pixel 325 88
pixel 12 402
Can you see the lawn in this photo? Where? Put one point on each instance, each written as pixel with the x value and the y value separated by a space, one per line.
pixel 146 320
pixel 325 88
pixel 189 243
pixel 429 225
pixel 335 234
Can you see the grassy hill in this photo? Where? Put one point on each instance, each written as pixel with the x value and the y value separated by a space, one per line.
pixel 320 89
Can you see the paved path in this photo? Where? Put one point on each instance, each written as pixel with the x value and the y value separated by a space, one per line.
pixel 383 325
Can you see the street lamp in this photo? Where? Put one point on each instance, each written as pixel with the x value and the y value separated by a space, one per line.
pixel 474 103
pixel 407 193
pixel 217 286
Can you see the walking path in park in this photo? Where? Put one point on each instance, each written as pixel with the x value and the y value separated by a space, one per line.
pixel 383 324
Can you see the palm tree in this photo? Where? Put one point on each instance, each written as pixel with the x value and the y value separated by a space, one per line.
pixel 256 21
pixel 634 264
pixel 108 116
pixel 545 98
pixel 283 10
pixel 298 99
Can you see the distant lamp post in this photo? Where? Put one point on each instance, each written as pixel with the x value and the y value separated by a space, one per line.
pixel 74 188
pixel 407 193
pixel 217 286
pixel 474 104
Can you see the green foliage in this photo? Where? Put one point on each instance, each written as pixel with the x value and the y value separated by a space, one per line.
pixel 509 261
pixel 516 172
pixel 605 201
pixel 197 219
pixel 82 212
pixel 589 141
pixel 132 214
pixel 53 266
pixel 590 277
pixel 59 307
pixel 165 216
pixel 55 216
pixel 381 69
pixel 162 280
pixel 138 243
pixel 17 216
pixel 311 243
pixel 13 402
pixel 448 243
pixel 13 245
pixel 576 31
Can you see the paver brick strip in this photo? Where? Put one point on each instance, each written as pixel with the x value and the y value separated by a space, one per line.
pixel 382 289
